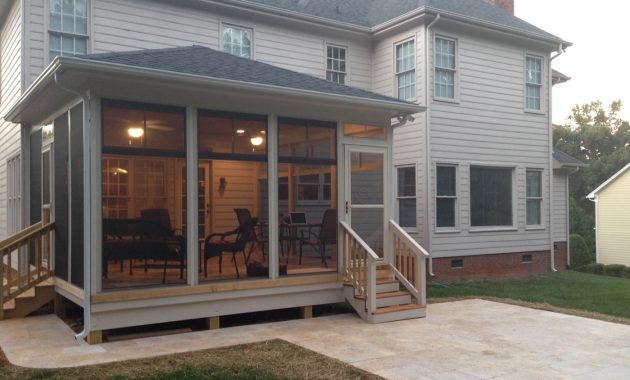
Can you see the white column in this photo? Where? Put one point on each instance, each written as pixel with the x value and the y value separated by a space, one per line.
pixel 272 183
pixel 192 190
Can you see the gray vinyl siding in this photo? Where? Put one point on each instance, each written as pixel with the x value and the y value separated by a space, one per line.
pixel 409 140
pixel 10 90
pixel 560 206
pixel 486 125
pixel 36 37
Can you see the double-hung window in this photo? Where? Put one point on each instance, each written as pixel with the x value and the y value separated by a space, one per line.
pixel 406 196
pixel 237 41
pixel 491 197
pixel 406 69
pixel 336 64
pixel 533 83
pixel 445 68
pixel 534 197
pixel 446 196
pixel 68 27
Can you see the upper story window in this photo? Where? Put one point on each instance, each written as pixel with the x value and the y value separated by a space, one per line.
pixel 336 64
pixel 534 197
pixel 533 80
pixel 68 27
pixel 406 69
pixel 237 41
pixel 445 68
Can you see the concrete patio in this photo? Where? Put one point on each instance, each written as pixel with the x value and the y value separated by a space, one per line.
pixel 471 339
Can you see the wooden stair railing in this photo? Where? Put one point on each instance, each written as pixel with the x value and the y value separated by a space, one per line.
pixel 360 263
pixel 409 262
pixel 26 260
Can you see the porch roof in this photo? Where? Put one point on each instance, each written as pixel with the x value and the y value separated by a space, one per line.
pixel 201 66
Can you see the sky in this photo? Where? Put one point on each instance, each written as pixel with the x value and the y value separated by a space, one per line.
pixel 599 60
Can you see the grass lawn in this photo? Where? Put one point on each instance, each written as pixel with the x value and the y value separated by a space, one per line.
pixel 276 359
pixel 565 289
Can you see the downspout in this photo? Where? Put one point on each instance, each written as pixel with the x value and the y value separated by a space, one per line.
pixel 87 257
pixel 552 251
pixel 427 149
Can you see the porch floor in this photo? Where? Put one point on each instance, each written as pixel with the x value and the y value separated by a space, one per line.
pixel 467 339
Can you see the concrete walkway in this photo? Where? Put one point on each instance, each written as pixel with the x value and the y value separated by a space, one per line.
pixel 471 339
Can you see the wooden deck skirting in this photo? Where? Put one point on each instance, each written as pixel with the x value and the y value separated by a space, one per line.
pixel 145 294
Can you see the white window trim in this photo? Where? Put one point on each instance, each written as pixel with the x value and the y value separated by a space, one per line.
pixel 541 199
pixel 415 68
pixel 456 228
pixel 540 111
pixel 514 226
pixel 455 98
pixel 347 61
pixel 251 30
pixel 90 27
pixel 398 198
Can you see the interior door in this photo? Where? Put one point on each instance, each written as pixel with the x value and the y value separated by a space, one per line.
pixel 365 193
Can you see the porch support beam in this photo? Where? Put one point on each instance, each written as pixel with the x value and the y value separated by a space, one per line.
pixel 213 323
pixel 272 183
pixel 192 174
pixel 306 312
pixel 95 337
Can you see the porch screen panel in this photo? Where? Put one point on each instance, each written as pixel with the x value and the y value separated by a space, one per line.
pixel 307 196
pixel 36 177
pixel 76 203
pixel 62 228
pixel 143 172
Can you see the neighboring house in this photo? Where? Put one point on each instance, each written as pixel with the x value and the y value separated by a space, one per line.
pixel 471 179
pixel 612 219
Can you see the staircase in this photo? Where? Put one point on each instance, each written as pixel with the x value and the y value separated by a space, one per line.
pixel 30 301
pixel 26 275
pixel 385 290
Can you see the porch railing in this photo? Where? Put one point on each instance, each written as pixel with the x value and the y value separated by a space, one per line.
pixel 409 260
pixel 360 263
pixel 26 259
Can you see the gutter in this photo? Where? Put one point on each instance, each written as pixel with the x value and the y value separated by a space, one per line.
pixel 552 251
pixel 401 108
pixel 427 141
pixel 87 257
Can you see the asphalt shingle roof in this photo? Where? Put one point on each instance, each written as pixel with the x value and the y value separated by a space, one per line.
pixel 565 159
pixel 210 63
pixel 370 13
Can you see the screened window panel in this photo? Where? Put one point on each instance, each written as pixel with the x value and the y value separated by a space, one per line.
pixel 407 182
pixel 306 139
pixel 491 197
pixel 445 212
pixel 407 212
pixel 446 181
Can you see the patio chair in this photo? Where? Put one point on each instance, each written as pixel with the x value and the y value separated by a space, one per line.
pixel 327 235
pixel 216 248
pixel 257 238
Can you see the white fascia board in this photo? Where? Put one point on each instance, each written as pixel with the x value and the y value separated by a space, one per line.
pixel 593 194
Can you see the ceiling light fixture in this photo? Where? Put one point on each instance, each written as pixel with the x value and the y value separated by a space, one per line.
pixel 257 141
pixel 135 132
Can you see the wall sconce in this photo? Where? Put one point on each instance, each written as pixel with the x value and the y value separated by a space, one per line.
pixel 222 185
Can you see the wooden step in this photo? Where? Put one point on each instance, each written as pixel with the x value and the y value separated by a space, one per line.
pixel 30 300
pixel 395 309
pixel 392 299
pixel 386 286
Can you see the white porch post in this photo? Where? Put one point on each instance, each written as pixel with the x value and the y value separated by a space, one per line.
pixel 272 184
pixel 192 189
pixel 390 202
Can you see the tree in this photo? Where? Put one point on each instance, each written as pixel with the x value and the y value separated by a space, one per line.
pixel 601 139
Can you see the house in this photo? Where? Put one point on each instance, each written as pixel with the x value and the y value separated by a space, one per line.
pixel 612 218
pixel 341 142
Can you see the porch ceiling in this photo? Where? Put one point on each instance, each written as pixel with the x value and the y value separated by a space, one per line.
pixel 197 69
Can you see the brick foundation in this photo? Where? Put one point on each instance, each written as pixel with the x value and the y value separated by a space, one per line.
pixel 499 266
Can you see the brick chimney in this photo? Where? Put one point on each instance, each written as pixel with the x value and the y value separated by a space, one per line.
pixel 507 5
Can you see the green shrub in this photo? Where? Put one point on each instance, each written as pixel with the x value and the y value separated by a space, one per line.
pixel 581 255
pixel 626 272
pixel 594 268
pixel 614 270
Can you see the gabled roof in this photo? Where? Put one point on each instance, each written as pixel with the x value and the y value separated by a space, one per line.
pixel 608 182
pixel 566 160
pixel 202 66
pixel 373 13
